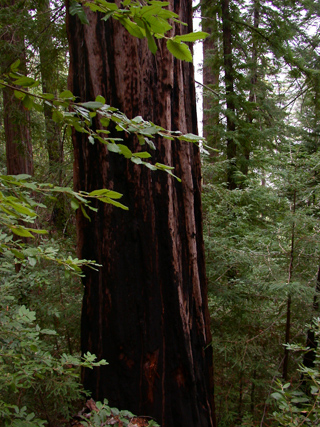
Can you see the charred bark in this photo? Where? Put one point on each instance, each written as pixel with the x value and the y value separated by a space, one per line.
pixel 145 311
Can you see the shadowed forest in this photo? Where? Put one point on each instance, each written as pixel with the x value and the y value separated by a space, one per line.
pixel 145 269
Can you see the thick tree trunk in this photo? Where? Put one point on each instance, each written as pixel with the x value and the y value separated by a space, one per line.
pixel 145 310
pixel 16 118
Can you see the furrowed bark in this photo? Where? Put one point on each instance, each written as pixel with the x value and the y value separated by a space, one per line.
pixel 145 310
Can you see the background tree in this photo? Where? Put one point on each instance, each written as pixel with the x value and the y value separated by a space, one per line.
pixel 254 239
pixel 16 118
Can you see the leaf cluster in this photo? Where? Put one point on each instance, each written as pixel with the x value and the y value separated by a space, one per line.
pixel 150 21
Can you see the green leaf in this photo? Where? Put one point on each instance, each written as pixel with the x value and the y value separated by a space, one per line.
pixel 74 204
pixel 105 192
pixel 17 253
pixel 104 122
pixel 191 37
pixel 57 116
pixel 132 28
pixel 151 42
pixel 66 94
pixel 142 155
pixel 190 137
pixel 179 50
pixel 108 15
pixel 150 166
pixel 101 99
pixel 37 231
pixel 26 81
pixel 137 119
pixel 48 96
pixel 20 231
pixel 92 105
pixel 14 67
pixel 277 396
pixel 48 332
pixel 113 147
pixel 150 130
pixel 76 9
pixel 136 160
pixel 32 261
pixel 84 213
pixel 18 94
pixel 158 25
pixel 28 102
pixel 22 209
pixel 125 151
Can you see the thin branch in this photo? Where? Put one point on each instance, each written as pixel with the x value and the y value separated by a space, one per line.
pixel 208 88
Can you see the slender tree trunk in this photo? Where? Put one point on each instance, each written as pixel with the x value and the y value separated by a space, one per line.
pixel 229 86
pixel 49 78
pixel 240 406
pixel 145 311
pixel 310 357
pixel 211 70
pixel 252 394
pixel 288 318
pixel 246 149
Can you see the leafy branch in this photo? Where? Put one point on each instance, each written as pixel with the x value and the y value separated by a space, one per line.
pixel 142 20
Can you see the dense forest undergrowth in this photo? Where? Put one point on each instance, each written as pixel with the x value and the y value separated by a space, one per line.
pixel 260 201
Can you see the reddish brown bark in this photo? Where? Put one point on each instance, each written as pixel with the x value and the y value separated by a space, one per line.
pixel 145 311
pixel 18 141
pixel 16 118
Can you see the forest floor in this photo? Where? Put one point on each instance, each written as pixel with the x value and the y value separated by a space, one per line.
pixel 90 407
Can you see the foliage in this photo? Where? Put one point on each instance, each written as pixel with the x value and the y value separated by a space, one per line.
pixel 30 374
pixel 103 415
pixel 262 236
pixel 148 21
pixel 80 115
pixel 300 405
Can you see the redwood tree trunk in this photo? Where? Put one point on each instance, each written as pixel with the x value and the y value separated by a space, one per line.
pixel 145 310
pixel 18 140
pixel 16 118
